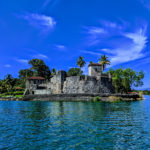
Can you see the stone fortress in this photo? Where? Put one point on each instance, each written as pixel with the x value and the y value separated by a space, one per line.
pixel 95 83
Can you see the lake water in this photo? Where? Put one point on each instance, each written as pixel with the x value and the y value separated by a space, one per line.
pixel 74 125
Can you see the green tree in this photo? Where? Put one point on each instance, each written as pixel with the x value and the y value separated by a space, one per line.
pixel 40 68
pixel 81 62
pixel 90 62
pixel 9 82
pixel 3 87
pixel 124 79
pixel 53 71
pixel 74 72
pixel 25 73
pixel 104 61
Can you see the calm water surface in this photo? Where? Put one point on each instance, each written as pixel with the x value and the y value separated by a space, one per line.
pixel 74 125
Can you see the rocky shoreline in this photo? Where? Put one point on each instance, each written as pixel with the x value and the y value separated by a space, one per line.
pixel 78 97
pixel 83 97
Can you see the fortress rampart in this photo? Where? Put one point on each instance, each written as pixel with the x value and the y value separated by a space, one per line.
pixel 95 82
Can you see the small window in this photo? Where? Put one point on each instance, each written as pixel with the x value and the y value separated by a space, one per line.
pixel 32 92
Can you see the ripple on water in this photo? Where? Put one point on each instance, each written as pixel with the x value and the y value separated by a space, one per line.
pixel 75 125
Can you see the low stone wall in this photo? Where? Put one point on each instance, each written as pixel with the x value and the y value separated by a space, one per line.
pixel 80 97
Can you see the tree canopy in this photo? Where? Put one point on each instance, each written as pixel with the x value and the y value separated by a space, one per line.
pixel 104 61
pixel 74 72
pixel 124 79
pixel 25 73
pixel 81 62
pixel 40 68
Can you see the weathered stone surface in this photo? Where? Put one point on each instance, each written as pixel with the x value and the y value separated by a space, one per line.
pixel 60 83
pixel 79 97
pixel 89 84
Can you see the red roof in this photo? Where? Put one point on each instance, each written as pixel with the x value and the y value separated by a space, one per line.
pixel 95 64
pixel 19 88
pixel 36 78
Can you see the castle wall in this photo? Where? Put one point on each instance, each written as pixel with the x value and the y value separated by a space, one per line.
pixel 73 85
pixel 42 92
pixel 88 85
pixel 56 83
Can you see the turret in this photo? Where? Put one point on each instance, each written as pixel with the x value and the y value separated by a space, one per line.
pixel 95 69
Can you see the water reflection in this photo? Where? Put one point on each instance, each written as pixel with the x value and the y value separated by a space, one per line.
pixel 75 125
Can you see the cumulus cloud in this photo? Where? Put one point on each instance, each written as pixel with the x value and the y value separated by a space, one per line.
pixel 39 20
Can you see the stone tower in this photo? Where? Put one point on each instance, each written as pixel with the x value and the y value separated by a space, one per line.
pixel 95 69
pixel 57 82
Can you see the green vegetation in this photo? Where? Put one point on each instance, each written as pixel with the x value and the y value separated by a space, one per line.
pixel 96 98
pixel 81 62
pixel 145 92
pixel 74 72
pixel 53 71
pixel 124 79
pixel 104 61
pixel 39 68
pixel 14 87
pixel 114 99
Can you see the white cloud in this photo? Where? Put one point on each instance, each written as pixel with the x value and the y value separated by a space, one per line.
pixel 123 46
pixel 25 61
pixel 94 34
pixel 96 30
pixel 61 47
pixel 91 52
pixel 42 56
pixel 130 52
pixel 109 24
pixel 39 20
pixel 7 66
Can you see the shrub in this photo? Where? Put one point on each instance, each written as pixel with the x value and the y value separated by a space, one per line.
pixel 18 93
pixel 96 98
pixel 114 99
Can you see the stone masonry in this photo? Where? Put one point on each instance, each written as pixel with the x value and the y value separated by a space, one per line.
pixel 60 83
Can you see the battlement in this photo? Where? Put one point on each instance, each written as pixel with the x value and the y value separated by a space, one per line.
pixel 95 82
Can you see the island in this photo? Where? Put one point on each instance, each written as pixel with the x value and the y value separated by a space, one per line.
pixel 42 84
pixel 95 86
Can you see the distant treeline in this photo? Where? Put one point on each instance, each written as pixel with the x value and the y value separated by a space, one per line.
pixel 145 92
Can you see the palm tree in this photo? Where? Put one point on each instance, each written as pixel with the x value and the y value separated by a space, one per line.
pixel 104 61
pixel 81 62
pixel 53 71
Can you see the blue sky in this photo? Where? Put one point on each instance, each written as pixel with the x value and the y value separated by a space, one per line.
pixel 59 31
